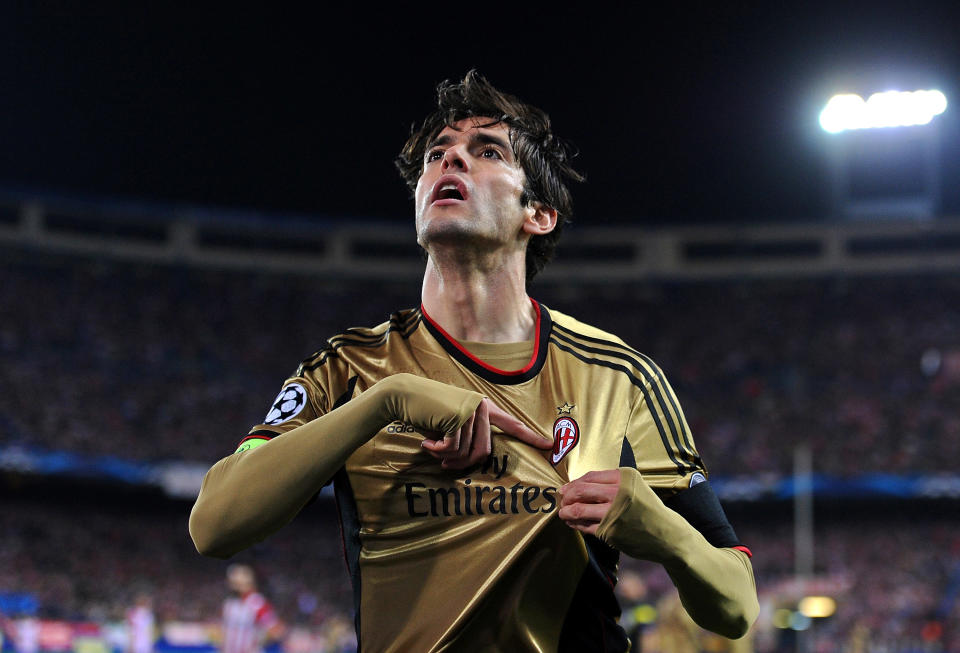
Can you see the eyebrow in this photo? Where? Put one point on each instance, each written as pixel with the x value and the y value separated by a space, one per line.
pixel 478 137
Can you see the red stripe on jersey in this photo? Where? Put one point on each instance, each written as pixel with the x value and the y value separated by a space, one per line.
pixel 745 550
pixel 491 368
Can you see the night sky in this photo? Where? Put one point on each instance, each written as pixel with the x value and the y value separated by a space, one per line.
pixel 691 114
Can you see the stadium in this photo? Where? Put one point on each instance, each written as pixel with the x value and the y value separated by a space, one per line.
pixel 816 356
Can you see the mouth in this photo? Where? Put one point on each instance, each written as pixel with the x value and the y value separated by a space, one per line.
pixel 448 189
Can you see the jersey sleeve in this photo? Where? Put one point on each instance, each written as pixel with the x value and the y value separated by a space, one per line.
pixel 249 494
pixel 666 512
pixel 658 442
pixel 301 400
pixel 716 584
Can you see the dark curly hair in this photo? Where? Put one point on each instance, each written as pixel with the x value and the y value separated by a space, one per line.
pixel 544 158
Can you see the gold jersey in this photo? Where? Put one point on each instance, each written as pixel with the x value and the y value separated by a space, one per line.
pixel 476 559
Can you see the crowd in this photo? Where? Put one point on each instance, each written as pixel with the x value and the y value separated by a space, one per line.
pixel 150 363
pixel 895 582
pixel 90 562
pixel 153 362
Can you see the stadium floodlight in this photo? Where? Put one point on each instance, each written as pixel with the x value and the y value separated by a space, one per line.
pixel 887 109
pixel 817 607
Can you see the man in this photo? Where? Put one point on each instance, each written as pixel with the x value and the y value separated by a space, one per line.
pixel 452 534
pixel 248 618
pixel 141 625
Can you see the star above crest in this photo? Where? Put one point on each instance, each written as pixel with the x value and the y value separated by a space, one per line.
pixel 565 408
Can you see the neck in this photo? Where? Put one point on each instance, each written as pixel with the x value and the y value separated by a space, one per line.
pixel 479 303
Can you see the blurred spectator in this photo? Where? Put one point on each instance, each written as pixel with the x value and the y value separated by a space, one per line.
pixel 249 620
pixel 81 561
pixel 147 362
pixel 141 626
pixel 26 637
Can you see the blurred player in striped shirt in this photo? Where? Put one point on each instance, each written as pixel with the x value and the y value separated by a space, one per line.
pixel 248 618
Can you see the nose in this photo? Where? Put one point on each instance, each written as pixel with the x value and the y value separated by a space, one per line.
pixel 453 158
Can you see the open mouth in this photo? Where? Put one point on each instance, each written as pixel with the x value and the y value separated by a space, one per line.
pixel 449 188
pixel 449 192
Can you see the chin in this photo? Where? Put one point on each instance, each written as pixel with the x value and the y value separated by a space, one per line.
pixel 447 232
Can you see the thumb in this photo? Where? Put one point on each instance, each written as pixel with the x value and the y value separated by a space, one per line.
pixel 515 428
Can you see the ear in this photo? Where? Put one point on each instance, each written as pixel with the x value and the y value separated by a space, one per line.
pixel 541 219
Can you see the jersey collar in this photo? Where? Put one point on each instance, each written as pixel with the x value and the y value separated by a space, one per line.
pixel 489 372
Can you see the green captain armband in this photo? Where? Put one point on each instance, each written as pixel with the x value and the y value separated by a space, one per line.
pixel 251 443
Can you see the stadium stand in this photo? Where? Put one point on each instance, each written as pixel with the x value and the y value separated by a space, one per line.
pixel 118 361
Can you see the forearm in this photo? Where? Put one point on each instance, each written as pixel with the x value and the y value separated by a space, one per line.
pixel 716 585
pixel 251 494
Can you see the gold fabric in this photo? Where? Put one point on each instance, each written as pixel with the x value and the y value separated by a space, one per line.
pixel 716 585
pixel 469 560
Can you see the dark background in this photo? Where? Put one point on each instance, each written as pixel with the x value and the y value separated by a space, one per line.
pixel 696 113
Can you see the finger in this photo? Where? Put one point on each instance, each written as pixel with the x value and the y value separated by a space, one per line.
pixel 591 513
pixel 514 427
pixel 580 492
pixel 480 446
pixel 452 440
pixel 483 446
pixel 466 436
pixel 459 459
pixel 456 458
pixel 447 445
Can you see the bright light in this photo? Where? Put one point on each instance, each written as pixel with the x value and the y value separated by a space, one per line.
pixel 887 109
pixel 817 606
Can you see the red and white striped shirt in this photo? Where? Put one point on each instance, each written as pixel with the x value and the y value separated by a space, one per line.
pixel 246 620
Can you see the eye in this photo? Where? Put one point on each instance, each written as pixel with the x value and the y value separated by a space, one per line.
pixel 434 155
pixel 491 153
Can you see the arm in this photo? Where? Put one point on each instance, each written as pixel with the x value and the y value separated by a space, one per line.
pixel 250 494
pixel 716 584
pixel 253 493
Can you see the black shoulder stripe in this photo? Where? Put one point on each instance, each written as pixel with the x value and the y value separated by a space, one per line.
pixel 600 341
pixel 659 387
pixel 681 467
pixel 649 361
pixel 397 322
pixel 338 342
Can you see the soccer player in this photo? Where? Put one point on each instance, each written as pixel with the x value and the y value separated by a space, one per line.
pixel 248 618
pixel 491 457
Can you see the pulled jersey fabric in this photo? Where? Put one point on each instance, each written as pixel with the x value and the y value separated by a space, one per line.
pixel 476 559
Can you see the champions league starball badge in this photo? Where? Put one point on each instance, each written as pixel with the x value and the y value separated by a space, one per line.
pixel 287 405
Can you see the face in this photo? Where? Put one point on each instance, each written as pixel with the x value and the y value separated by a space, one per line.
pixel 470 188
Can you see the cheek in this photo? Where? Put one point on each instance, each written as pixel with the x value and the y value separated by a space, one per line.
pixel 420 196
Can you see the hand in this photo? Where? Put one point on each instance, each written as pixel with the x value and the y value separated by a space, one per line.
pixel 587 500
pixel 472 443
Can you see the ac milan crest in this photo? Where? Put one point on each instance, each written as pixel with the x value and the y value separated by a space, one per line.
pixel 566 435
